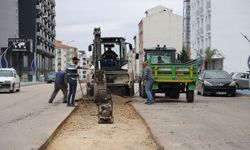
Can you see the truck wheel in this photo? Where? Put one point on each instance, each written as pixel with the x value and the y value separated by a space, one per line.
pixel 190 96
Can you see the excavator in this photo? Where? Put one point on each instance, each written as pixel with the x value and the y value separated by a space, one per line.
pixel 110 74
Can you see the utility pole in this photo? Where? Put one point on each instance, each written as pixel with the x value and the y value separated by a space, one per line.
pixel 186 26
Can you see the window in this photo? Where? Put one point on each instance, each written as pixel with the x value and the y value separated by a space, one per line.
pixel 25 61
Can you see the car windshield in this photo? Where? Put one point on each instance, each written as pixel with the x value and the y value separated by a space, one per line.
pixel 217 75
pixel 6 73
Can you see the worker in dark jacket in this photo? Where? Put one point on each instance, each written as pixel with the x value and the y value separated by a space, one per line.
pixel 149 80
pixel 60 84
pixel 72 75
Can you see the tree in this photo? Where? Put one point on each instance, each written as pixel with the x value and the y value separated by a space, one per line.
pixel 209 53
pixel 184 56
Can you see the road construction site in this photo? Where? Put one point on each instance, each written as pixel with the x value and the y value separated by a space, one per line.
pixel 81 130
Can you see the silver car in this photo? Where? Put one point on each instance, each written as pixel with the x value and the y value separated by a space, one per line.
pixel 241 79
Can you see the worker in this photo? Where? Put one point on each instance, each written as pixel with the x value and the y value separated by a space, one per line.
pixel 72 79
pixel 61 81
pixel 109 57
pixel 160 61
pixel 149 80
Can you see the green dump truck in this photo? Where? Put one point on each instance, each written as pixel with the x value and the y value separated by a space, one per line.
pixel 171 77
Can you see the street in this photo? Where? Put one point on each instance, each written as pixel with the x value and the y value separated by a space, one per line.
pixel 210 123
pixel 26 118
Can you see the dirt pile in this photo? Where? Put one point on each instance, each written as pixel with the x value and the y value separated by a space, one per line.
pixel 82 132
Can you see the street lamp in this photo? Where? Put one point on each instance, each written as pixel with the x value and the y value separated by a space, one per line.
pixel 248 61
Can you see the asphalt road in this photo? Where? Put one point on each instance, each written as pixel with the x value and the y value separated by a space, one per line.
pixel 26 118
pixel 210 123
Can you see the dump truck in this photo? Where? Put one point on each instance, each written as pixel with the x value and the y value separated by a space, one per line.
pixel 170 76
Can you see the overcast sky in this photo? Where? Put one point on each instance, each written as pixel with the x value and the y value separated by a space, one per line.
pixel 76 19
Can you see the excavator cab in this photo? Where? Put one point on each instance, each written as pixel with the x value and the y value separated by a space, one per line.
pixel 113 53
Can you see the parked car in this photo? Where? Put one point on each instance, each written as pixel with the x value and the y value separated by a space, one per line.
pixel 50 77
pixel 9 80
pixel 241 79
pixel 216 82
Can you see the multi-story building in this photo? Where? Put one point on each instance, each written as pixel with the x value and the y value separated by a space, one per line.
pixel 63 56
pixel 9 21
pixel 160 27
pixel 29 19
pixel 82 63
pixel 218 24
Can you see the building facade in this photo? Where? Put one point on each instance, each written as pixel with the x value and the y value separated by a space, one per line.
pixel 160 27
pixel 218 25
pixel 9 21
pixel 63 56
pixel 83 63
pixel 34 20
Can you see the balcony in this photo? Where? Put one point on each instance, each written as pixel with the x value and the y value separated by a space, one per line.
pixel 208 6
pixel 39 20
pixel 39 33
pixel 208 26
pixel 39 7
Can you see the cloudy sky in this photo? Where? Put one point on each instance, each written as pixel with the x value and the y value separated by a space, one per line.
pixel 76 19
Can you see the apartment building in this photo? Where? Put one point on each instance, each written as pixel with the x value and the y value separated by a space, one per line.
pixel 218 24
pixel 33 20
pixel 63 55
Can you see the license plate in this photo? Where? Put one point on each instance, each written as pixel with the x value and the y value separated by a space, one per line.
pixel 221 93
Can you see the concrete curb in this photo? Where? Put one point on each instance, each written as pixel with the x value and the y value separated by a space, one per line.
pixel 51 137
pixel 37 83
pixel 149 129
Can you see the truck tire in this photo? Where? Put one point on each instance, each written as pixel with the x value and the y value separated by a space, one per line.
pixel 190 96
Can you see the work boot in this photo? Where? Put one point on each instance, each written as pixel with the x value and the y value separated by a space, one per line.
pixel 73 105
pixel 50 101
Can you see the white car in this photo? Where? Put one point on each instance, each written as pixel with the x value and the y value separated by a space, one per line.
pixel 241 79
pixel 9 80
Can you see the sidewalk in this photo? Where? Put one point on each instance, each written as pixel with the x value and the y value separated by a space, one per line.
pixel 31 121
pixel 30 83
pixel 59 120
pixel 244 92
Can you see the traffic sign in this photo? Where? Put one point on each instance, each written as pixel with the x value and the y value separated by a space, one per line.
pixel 248 62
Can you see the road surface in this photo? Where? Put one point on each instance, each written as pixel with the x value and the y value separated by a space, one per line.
pixel 210 123
pixel 26 118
